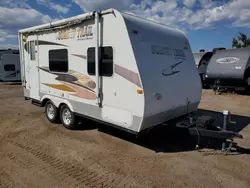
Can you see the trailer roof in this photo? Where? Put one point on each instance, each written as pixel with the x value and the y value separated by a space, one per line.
pixel 76 19
pixel 239 52
pixel 63 22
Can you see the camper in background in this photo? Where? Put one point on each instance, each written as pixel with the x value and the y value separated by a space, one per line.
pixel 229 69
pixel 10 65
pixel 201 60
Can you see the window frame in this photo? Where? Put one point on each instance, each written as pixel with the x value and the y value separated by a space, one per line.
pixel 67 60
pixel 9 70
pixel 100 55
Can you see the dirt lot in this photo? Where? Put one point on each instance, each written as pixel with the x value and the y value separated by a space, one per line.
pixel 36 153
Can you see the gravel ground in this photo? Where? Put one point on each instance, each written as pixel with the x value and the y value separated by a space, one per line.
pixel 36 153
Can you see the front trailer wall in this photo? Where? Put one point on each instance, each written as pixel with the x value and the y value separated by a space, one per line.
pixel 168 73
pixel 228 65
pixel 163 117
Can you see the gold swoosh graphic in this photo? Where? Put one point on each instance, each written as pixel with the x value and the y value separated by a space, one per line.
pixel 60 87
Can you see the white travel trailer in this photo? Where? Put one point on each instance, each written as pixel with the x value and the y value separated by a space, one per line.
pixel 10 66
pixel 112 67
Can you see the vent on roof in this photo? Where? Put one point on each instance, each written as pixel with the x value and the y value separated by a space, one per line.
pixel 216 49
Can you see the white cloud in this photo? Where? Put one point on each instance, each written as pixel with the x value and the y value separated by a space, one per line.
pixel 59 8
pixel 11 36
pixel 95 5
pixel 17 18
pixel 13 19
pixel 206 14
pixel 14 3
pixel 189 3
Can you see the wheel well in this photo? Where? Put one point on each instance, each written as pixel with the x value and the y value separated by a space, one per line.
pixel 44 102
pixel 247 73
pixel 62 105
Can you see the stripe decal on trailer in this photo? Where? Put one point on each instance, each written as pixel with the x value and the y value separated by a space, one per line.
pixel 60 87
pixel 81 56
pixel 41 42
pixel 128 75
pixel 78 84
pixel 122 71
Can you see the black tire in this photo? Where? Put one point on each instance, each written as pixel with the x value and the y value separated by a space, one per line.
pixel 49 107
pixel 67 117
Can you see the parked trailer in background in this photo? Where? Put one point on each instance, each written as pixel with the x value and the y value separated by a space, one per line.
pixel 197 57
pixel 10 66
pixel 112 67
pixel 201 60
pixel 230 69
pixel 8 51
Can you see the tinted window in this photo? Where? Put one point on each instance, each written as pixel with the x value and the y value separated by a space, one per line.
pixel 58 60
pixel 106 61
pixel 9 67
pixel 32 50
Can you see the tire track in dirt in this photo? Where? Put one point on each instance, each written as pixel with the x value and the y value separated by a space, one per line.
pixel 6 181
pixel 79 175
pixel 23 163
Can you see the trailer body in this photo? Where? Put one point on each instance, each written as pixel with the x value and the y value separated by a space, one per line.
pixel 230 68
pixel 146 73
pixel 10 66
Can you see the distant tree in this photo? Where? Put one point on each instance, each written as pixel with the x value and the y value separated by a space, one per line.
pixel 242 41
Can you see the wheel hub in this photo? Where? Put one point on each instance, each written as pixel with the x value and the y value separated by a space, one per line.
pixel 50 111
pixel 67 116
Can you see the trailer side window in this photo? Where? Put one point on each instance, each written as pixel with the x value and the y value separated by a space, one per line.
pixel 106 61
pixel 32 50
pixel 58 60
pixel 9 67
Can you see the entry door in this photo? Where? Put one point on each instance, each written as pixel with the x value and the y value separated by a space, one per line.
pixel 34 76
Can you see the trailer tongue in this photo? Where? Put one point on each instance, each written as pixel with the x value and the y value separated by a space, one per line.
pixel 204 126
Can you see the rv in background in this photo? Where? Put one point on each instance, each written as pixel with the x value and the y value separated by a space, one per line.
pixel 10 65
pixel 112 67
pixel 229 69
pixel 201 60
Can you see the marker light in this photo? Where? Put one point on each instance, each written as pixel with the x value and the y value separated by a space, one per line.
pixel 139 91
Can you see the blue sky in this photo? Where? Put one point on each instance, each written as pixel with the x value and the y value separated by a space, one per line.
pixel 207 23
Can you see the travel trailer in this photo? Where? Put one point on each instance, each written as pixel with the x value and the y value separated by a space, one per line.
pixel 133 76
pixel 197 57
pixel 10 66
pixel 201 60
pixel 8 51
pixel 111 67
pixel 229 69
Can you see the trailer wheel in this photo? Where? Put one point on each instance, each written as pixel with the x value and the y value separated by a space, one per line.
pixel 67 117
pixel 51 112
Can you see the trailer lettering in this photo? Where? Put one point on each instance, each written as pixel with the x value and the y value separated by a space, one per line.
pixel 179 53
pixel 66 34
pixel 228 60
pixel 160 50
pixel 80 33
pixel 84 32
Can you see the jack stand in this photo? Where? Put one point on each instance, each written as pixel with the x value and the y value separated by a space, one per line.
pixel 227 150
